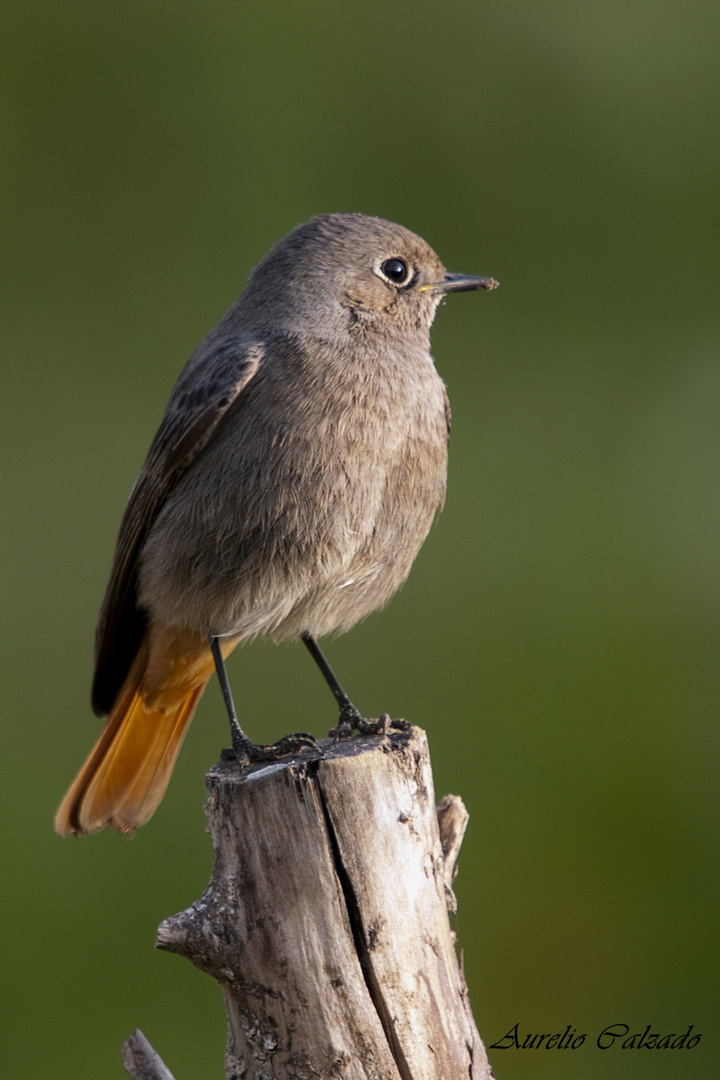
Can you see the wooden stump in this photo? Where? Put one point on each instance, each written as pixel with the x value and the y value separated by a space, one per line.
pixel 326 921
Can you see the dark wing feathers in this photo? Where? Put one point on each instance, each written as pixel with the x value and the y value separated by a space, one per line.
pixel 212 380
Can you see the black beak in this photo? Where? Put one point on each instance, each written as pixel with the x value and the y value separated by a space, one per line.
pixel 463 283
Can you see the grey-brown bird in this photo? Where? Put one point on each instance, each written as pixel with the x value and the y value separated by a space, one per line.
pixel 294 477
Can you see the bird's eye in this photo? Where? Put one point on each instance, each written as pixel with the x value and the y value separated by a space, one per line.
pixel 396 271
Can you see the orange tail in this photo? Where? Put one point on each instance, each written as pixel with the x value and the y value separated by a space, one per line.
pixel 126 774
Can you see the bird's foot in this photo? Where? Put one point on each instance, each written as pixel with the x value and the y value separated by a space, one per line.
pixel 247 753
pixel 351 720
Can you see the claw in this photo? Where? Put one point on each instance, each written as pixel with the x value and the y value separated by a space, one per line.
pixel 247 753
pixel 289 744
pixel 353 721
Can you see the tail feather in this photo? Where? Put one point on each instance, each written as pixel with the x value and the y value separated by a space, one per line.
pixel 127 771
pixel 149 784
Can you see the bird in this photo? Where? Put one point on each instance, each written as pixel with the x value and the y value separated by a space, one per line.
pixel 296 472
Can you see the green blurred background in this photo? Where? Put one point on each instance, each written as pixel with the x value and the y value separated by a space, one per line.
pixel 560 635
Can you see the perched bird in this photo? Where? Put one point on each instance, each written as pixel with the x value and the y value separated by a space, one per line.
pixel 294 477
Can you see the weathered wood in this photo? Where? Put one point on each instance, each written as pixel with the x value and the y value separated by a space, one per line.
pixel 452 822
pixel 141 1061
pixel 326 921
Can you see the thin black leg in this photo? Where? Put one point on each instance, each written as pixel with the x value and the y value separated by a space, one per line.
pixel 351 719
pixel 347 709
pixel 240 742
pixel 245 750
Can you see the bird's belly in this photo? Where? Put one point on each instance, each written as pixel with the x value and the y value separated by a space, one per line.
pixel 308 535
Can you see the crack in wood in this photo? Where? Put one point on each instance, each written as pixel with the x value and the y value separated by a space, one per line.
pixel 361 943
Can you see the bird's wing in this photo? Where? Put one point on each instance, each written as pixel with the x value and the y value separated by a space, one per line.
pixel 213 379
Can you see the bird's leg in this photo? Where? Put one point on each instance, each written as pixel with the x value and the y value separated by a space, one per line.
pixel 243 749
pixel 240 742
pixel 351 719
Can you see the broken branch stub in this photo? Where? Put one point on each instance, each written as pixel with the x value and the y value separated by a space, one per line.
pixel 141 1061
pixel 326 922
